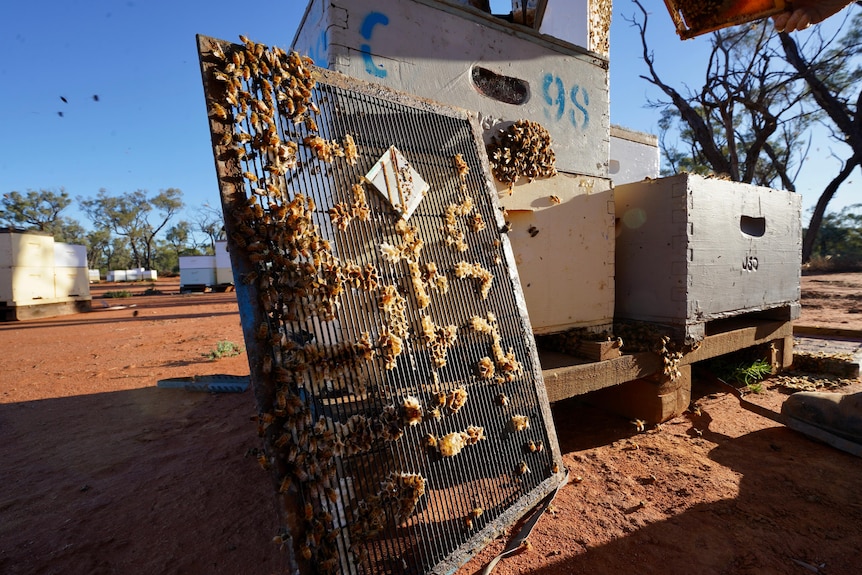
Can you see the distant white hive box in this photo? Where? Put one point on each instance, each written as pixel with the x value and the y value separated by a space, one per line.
pixel 197 272
pixel 635 156
pixel 691 249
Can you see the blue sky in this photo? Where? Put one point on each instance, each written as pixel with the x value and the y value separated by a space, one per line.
pixel 148 129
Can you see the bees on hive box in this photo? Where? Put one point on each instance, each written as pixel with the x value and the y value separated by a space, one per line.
pixel 523 150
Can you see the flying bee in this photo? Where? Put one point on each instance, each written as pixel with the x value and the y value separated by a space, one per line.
pixel 555 200
pixel 640 425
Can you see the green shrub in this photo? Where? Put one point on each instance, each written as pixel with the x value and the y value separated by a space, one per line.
pixel 222 349
pixel 118 294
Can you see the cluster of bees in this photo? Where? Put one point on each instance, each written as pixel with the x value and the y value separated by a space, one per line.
pixel 299 280
pixel 451 444
pixel 454 236
pixel 341 214
pixel 507 368
pixel 476 271
pixel 632 336
pixel 523 150
pixel 439 339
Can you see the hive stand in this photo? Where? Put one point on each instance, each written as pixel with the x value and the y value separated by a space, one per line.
pixel 634 386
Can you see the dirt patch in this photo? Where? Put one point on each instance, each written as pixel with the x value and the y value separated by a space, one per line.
pixel 105 473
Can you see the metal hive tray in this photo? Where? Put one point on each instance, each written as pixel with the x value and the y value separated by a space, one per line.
pixel 336 295
pixel 696 17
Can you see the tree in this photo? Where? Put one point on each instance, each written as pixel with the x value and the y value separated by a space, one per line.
pixel 840 236
pixel 831 82
pixel 210 222
pixel 41 211
pixel 762 93
pixel 129 216
pixel 744 122
pixel 178 237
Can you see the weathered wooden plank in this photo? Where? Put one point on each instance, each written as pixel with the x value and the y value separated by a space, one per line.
pixel 566 376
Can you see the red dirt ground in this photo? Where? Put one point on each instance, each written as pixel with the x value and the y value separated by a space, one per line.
pixel 102 472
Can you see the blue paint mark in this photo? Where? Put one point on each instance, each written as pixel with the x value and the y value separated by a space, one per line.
pixel 559 99
pixel 372 20
pixel 370 67
pixel 319 50
pixel 582 108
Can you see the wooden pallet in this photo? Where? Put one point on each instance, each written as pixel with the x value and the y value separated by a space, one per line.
pixel 634 384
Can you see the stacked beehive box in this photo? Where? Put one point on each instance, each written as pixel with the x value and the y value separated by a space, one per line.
pixel 223 269
pixel 691 250
pixel 71 276
pixel 39 277
pixel 27 265
pixel 197 272
pixel 561 227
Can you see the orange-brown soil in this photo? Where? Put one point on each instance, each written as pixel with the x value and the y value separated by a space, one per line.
pixel 103 472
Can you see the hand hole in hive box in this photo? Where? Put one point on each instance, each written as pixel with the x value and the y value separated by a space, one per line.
pixel 754 227
pixel 501 88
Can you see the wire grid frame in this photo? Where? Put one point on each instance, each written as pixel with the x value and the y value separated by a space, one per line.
pixel 392 446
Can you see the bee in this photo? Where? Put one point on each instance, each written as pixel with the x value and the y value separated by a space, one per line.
pixel 281 537
pixel 263 461
pixel 430 441
pixel 219 111
pixel 555 199
pixel 218 52
pixel 520 422
pixel 640 425
pixel 523 468
pixel 285 485
pixel 305 551
pixel 502 400
pixel 533 231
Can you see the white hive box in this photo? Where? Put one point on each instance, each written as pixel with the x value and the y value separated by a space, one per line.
pixel 224 270
pixel 69 255
pixel 26 249
pixel 691 249
pixel 117 276
pixel 564 252
pixel 24 286
pixel 634 156
pixel 462 57
pixel 94 276
pixel 71 283
pixel 197 271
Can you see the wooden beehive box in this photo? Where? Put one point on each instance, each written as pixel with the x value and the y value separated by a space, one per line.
pixel 563 239
pixel 461 57
pixel 691 249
